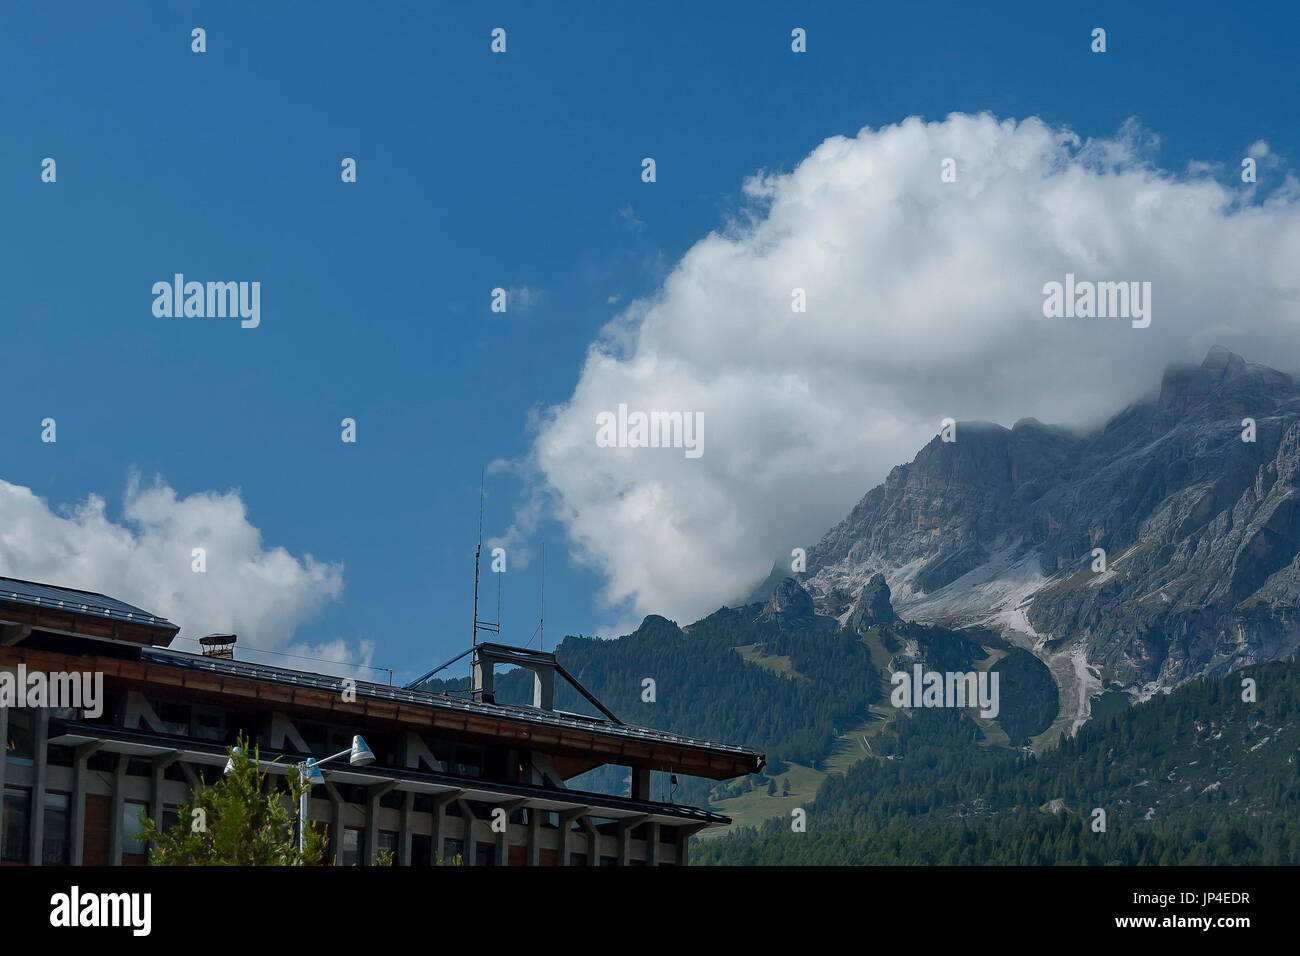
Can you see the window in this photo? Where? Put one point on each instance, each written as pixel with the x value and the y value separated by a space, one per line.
pixel 18 746
pixel 469 762
pixel 485 854
pixel 131 827
pixel 421 850
pixel 174 718
pixel 577 859
pixel 17 821
pixel 388 841
pixel 452 849
pixel 57 847
pixel 209 725
pixel 171 817
pixel 351 846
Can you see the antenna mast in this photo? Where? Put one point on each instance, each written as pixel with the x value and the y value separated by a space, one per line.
pixel 478 551
pixel 494 628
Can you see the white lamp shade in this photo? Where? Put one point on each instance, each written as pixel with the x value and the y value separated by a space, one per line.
pixel 230 761
pixel 361 753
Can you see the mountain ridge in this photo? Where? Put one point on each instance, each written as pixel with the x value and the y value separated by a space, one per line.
pixel 1199 527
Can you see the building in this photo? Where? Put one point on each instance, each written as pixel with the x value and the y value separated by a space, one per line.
pixel 75 781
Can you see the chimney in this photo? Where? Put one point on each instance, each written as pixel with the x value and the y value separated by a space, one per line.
pixel 219 645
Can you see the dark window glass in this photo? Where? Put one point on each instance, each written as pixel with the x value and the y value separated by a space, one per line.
pixel 210 725
pixel 102 761
pixel 175 718
pixel 485 854
pixel 421 850
pixel 452 849
pixel 131 827
pixel 17 822
pixel 388 841
pixel 18 745
pixel 314 736
pixel 57 845
pixel 469 762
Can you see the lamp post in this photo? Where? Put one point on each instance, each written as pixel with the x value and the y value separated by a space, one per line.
pixel 359 755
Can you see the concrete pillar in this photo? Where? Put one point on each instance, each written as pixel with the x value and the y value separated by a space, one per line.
pixel 684 835
pixel 544 688
pixel 77 812
pixel 160 765
pixel 4 763
pixel 40 771
pixel 652 844
pixel 625 829
pixel 404 834
pixel 439 831
pixel 372 819
pixel 336 822
pixel 566 834
pixel 535 837
pixel 593 840
pixel 467 817
pixel 640 784
pixel 115 834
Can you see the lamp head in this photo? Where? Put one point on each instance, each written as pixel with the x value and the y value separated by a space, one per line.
pixel 230 761
pixel 361 753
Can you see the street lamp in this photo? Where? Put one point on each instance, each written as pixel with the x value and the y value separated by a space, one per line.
pixel 359 755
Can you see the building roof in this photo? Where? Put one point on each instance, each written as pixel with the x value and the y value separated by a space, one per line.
pixel 81 612
pixel 558 720
pixel 28 606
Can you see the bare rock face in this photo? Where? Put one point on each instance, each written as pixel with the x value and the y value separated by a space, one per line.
pixel 872 607
pixel 1198 527
pixel 790 606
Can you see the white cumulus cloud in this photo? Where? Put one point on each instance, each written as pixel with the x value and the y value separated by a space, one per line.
pixel 263 594
pixel 924 301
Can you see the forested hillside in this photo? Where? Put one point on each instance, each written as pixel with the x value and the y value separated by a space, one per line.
pixel 1196 777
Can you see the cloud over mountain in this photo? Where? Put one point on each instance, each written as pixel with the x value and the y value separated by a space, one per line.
pixel 924 301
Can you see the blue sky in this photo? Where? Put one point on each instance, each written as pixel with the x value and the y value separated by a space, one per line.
pixel 475 171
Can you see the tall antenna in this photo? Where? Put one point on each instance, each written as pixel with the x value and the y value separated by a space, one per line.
pixel 493 627
pixel 478 552
pixel 541 620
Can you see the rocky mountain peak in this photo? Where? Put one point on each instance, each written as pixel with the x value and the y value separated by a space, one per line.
pixel 1195 512
pixel 872 607
pixel 790 606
